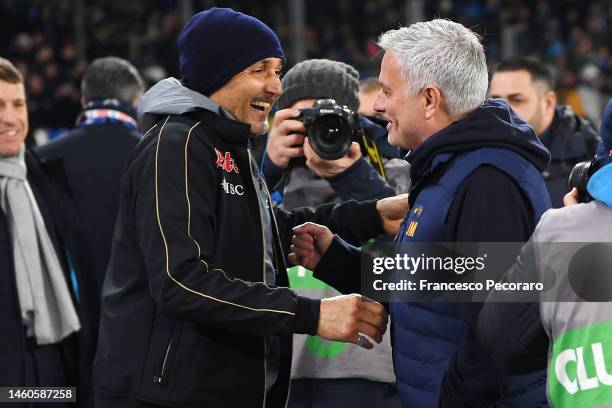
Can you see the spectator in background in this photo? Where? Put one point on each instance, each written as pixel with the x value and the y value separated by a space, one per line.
pixel 94 153
pixel 45 320
pixel 346 373
pixel 528 86
pixel 368 91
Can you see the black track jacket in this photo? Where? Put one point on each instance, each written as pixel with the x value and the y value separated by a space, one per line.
pixel 185 306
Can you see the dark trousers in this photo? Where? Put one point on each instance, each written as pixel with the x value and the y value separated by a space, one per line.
pixel 340 393
pixel 106 400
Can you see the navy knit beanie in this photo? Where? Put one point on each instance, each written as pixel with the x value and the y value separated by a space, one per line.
pixel 218 43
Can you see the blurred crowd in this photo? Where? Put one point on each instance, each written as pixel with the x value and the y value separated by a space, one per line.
pixel 52 52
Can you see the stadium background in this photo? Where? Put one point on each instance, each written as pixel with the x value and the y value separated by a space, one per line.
pixel 51 42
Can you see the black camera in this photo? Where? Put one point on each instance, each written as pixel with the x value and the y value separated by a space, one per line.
pixel 579 178
pixel 330 128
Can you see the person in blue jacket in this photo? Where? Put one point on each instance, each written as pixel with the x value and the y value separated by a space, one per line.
pixel 475 174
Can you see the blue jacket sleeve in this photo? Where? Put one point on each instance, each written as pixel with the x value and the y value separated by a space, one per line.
pixel 360 182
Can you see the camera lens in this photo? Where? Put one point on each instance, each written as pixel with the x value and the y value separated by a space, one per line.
pixel 330 136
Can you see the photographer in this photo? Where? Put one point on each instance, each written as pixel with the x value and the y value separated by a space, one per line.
pixel 570 252
pixel 347 373
pixel 350 177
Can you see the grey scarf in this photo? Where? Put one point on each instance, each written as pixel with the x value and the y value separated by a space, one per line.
pixel 44 298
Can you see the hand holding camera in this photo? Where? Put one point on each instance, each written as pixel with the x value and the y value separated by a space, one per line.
pixel 286 138
pixel 331 130
pixel 329 168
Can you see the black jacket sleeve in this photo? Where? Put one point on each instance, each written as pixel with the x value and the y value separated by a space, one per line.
pixel 340 267
pixel 509 325
pixel 356 222
pixel 174 201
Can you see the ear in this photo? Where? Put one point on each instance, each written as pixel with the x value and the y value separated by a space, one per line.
pixel 432 100
pixel 550 100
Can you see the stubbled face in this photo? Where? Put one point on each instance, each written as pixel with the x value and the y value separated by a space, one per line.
pixel 250 94
pixel 403 111
pixel 13 118
pixel 524 96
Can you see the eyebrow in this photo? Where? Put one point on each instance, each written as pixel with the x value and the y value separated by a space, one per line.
pixel 13 100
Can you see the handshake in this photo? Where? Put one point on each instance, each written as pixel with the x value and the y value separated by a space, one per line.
pixel 346 318
pixel 342 318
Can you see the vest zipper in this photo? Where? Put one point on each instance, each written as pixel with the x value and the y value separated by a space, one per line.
pixel 263 260
pixel 161 378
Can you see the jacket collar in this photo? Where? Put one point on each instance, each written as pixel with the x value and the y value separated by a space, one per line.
pixel 565 137
pixel 230 130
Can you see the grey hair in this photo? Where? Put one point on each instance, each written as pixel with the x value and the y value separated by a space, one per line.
pixel 111 78
pixel 444 54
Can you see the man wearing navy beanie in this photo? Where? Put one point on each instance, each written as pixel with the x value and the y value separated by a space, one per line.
pixel 196 309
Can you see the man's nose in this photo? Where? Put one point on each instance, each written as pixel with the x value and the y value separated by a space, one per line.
pixel 273 86
pixel 8 115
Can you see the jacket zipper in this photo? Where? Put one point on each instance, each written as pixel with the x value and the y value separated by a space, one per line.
pixel 263 261
pixel 161 379
pixel 275 226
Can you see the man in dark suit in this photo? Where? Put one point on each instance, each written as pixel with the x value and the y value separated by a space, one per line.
pixel 46 314
pixel 94 152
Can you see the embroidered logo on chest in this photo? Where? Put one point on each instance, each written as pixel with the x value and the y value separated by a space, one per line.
pixel 226 162
pixel 232 189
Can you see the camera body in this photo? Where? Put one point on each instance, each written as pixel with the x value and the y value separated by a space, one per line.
pixel 579 178
pixel 330 128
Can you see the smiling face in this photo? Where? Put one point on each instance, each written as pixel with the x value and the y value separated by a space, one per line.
pixel 403 111
pixel 13 118
pixel 250 94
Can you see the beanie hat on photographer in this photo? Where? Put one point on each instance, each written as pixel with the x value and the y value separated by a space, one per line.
pixel 218 43
pixel 321 79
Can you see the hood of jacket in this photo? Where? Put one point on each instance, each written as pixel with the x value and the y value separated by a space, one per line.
pixel 169 96
pixel 493 124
